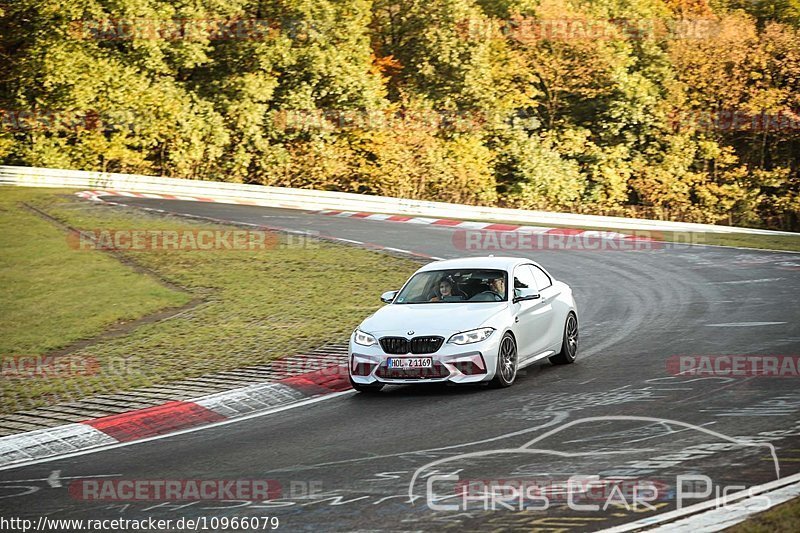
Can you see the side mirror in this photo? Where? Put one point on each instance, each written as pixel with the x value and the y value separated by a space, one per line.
pixel 526 294
pixel 388 296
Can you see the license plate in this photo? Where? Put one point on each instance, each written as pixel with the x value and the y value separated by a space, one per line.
pixel 407 363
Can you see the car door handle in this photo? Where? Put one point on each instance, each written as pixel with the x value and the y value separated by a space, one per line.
pixel 516 319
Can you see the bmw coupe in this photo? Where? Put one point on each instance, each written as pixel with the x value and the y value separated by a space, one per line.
pixel 466 321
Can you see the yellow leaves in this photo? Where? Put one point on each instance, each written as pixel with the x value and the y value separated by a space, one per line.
pixel 690 8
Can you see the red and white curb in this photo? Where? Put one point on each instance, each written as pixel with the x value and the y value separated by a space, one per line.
pixel 441 222
pixel 95 196
pixel 485 226
pixel 170 417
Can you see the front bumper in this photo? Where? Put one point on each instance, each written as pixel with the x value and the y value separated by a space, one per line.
pixel 469 363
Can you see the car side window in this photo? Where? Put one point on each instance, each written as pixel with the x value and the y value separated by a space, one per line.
pixel 542 279
pixel 523 278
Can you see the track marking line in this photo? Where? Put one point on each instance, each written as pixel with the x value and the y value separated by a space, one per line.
pixel 745 281
pixel 743 324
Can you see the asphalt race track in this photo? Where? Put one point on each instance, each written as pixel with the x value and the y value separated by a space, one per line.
pixel 348 463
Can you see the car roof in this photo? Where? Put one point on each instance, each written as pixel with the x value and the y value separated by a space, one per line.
pixel 498 263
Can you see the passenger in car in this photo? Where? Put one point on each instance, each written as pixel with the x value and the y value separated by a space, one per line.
pixel 445 291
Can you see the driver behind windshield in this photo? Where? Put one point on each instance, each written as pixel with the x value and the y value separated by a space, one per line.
pixel 498 286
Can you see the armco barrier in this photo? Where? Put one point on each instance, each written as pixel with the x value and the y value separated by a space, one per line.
pixel 312 199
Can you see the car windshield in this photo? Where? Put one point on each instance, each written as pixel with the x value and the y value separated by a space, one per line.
pixel 455 285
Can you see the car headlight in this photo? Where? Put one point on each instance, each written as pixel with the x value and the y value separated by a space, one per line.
pixel 364 339
pixel 468 337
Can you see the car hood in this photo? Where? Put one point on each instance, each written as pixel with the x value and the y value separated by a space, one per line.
pixel 432 318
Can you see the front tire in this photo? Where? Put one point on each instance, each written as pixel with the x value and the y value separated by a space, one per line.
pixel 569 344
pixel 506 371
pixel 371 388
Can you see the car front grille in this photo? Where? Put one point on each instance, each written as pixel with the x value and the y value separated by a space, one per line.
pixel 417 345
pixel 437 371
pixel 395 345
pixel 426 344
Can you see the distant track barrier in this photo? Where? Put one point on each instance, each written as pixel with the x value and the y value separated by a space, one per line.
pixel 310 199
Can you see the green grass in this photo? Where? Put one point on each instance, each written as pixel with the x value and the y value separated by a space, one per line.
pixel 258 305
pixel 784 517
pixel 53 295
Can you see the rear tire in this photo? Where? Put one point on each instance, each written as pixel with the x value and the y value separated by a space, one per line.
pixel 569 344
pixel 371 388
pixel 506 371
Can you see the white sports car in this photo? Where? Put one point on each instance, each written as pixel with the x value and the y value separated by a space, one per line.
pixel 454 320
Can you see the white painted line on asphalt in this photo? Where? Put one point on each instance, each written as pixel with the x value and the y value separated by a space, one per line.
pixel 700 509
pixel 743 324
pixel 51 478
pixel 726 247
pixel 744 281
pixel 302 403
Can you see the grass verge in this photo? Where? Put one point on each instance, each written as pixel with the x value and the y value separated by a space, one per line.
pixel 257 305
pixel 53 295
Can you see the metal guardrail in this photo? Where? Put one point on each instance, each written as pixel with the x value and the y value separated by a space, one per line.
pixel 313 199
